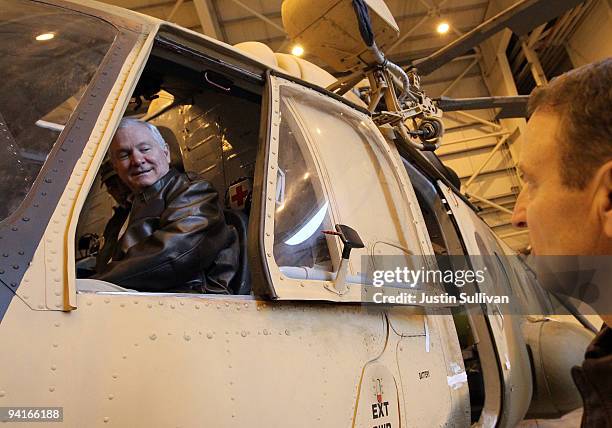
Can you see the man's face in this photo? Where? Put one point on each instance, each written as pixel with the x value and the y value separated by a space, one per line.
pixel 562 220
pixel 138 159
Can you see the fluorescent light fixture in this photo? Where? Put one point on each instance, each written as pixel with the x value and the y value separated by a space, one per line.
pixel 443 27
pixel 297 50
pixel 45 36
pixel 309 228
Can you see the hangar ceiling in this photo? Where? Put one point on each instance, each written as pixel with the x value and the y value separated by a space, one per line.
pixel 235 21
pixel 479 147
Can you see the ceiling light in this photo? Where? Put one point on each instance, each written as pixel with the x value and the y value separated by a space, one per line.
pixel 443 28
pixel 45 36
pixel 297 50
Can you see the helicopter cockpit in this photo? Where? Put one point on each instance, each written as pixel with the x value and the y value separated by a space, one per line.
pixel 211 125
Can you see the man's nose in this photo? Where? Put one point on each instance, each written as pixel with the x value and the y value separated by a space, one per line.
pixel 136 158
pixel 519 215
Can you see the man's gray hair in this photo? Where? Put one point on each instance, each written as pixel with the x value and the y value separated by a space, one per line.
pixel 126 122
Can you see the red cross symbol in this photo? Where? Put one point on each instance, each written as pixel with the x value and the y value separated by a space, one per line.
pixel 239 196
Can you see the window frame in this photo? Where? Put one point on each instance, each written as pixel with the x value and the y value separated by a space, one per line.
pixel 178 47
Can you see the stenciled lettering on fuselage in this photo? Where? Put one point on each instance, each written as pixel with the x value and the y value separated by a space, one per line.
pixel 380 410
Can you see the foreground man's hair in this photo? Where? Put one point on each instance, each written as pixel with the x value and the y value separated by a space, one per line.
pixel 583 100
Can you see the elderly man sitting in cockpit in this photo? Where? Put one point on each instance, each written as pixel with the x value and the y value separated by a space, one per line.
pixel 175 238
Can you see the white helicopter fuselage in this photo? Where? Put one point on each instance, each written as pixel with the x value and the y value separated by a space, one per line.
pixel 297 351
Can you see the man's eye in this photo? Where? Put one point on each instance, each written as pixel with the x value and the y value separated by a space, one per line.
pixel 123 156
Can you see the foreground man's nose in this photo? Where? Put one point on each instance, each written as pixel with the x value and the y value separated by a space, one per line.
pixel 519 215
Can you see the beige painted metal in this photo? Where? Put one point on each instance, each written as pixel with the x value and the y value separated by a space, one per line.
pixel 513 363
pixel 482 166
pixel 174 9
pixel 534 63
pixel 425 347
pixel 495 126
pixel 208 20
pixel 555 392
pixel 478 137
pixel 259 15
pixel 294 66
pixel 488 202
pixel 459 77
pixel 329 30
pixel 407 34
pixel 193 360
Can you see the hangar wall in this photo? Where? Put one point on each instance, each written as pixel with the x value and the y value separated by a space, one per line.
pixel 499 184
pixel 468 148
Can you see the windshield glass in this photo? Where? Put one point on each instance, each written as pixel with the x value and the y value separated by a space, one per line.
pixel 48 56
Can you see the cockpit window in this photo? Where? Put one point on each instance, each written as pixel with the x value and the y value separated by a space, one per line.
pixel 302 210
pixel 48 56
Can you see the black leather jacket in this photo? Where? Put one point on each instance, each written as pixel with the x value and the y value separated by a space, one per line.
pixel 176 240
pixel 594 381
pixel 111 232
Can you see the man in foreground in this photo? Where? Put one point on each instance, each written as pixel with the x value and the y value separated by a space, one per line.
pixel 176 238
pixel 566 201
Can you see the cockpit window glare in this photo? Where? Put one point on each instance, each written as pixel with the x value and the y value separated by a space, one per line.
pixel 48 56
pixel 302 210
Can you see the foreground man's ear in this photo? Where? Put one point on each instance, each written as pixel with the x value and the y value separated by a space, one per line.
pixel 604 197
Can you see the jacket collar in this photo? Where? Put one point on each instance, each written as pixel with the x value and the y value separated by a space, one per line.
pixel 154 189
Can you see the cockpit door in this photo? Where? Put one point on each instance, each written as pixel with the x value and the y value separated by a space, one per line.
pixel 326 163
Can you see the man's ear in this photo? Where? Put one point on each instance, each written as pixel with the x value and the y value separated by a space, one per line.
pixel 167 150
pixel 604 197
